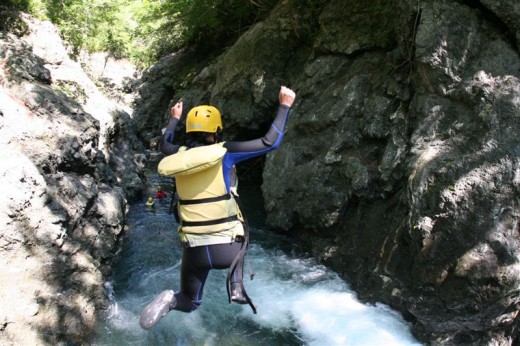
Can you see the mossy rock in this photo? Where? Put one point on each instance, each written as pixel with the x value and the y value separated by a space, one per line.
pixel 11 22
pixel 73 90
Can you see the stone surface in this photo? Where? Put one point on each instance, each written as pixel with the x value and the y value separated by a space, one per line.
pixel 65 186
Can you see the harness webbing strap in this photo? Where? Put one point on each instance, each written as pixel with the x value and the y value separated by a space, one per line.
pixel 225 197
pixel 239 261
pixel 209 222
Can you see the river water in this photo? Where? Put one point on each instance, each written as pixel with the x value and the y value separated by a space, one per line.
pixel 299 301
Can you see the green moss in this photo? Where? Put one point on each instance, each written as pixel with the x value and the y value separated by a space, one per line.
pixel 73 90
pixel 487 110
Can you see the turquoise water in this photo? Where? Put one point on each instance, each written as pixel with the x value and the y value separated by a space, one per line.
pixel 299 301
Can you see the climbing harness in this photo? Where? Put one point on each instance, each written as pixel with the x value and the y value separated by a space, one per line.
pixel 239 261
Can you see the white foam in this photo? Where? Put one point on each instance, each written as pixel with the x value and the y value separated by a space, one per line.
pixel 322 312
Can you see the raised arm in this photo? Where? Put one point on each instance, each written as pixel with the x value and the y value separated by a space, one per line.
pixel 167 147
pixel 239 151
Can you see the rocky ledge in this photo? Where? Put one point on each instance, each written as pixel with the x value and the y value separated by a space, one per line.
pixel 69 166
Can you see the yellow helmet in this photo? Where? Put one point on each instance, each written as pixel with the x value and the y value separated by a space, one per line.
pixel 150 199
pixel 203 119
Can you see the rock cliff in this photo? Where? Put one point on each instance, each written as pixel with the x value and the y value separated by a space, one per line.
pixel 400 167
pixel 69 164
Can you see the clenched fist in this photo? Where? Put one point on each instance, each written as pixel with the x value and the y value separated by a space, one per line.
pixel 176 110
pixel 286 96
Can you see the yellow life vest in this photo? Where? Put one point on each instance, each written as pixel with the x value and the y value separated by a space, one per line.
pixel 204 204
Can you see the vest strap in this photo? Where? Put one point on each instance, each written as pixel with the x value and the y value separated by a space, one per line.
pixel 225 197
pixel 210 222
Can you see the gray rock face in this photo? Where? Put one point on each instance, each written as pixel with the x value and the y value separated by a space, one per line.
pixel 400 166
pixel 64 189
pixel 507 12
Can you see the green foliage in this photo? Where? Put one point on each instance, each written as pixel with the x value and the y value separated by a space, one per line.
pixel 93 25
pixel 207 22
pixel 22 5
pixel 144 30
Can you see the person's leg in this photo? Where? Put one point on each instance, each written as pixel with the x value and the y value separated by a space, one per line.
pixel 196 264
pixel 222 256
pixel 194 271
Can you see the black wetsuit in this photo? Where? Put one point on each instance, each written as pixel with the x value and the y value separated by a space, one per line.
pixel 198 261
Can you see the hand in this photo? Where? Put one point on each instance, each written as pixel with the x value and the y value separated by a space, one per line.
pixel 286 96
pixel 176 110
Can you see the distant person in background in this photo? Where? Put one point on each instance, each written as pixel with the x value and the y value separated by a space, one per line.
pixel 160 194
pixel 150 203
pixel 213 229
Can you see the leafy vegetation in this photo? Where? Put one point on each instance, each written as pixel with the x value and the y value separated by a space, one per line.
pixel 144 30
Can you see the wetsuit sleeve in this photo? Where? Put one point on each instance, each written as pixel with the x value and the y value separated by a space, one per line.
pixel 239 151
pixel 167 147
